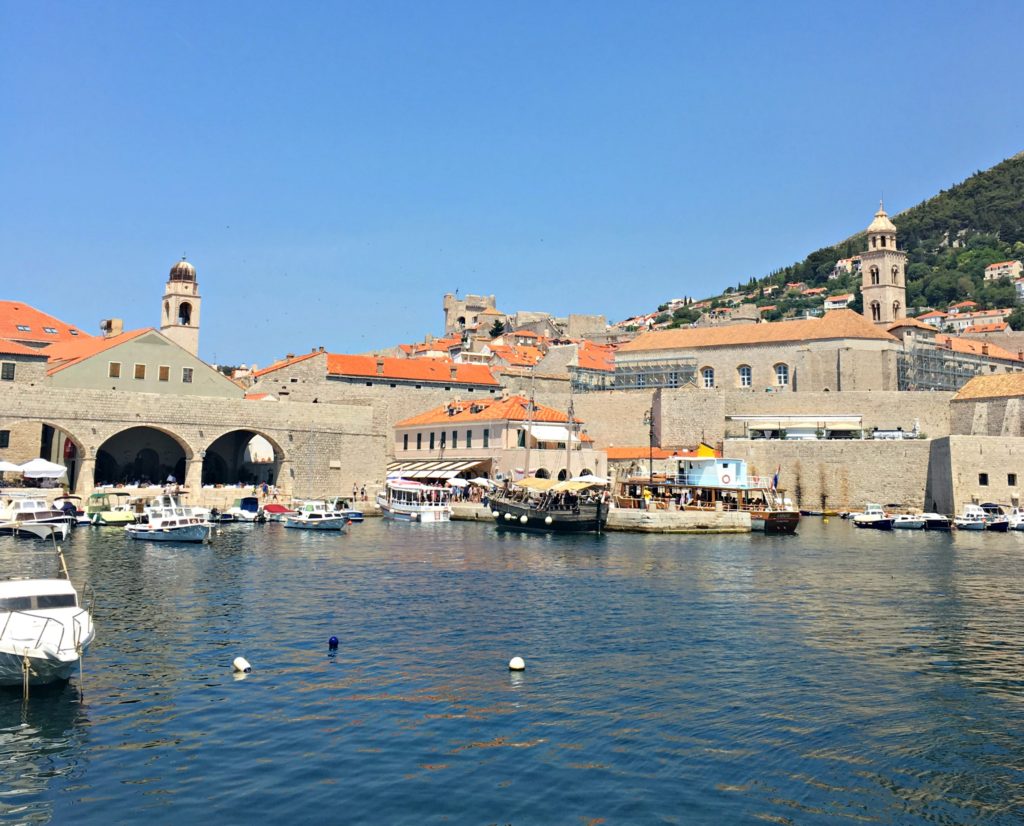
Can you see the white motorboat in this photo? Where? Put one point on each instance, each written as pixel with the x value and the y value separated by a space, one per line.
pixel 42 628
pixel 412 501
pixel 936 522
pixel 975 518
pixel 908 521
pixel 172 523
pixel 1016 517
pixel 314 515
pixel 874 516
pixel 246 509
pixel 32 516
pixel 72 508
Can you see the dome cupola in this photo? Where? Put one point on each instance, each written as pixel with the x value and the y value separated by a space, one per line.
pixel 183 271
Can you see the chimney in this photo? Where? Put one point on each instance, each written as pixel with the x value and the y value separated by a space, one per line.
pixel 289 356
pixel 380 367
pixel 321 348
pixel 111 327
pixel 984 348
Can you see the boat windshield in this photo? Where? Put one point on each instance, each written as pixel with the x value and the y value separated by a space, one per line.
pixel 36 602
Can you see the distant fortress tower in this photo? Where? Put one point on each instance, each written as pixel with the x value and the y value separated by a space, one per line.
pixel 179 320
pixel 883 273
pixel 462 313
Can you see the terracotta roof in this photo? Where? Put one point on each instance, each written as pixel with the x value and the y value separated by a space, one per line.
pixel 994 327
pixel 643 452
pixel 285 362
pixel 490 311
pixel 933 314
pixel 419 369
pixel 591 356
pixel 835 324
pixel 975 348
pixel 12 348
pixel 511 409
pixel 910 322
pixel 964 304
pixel 67 353
pixel 1001 264
pixel 519 355
pixel 258 397
pixel 843 297
pixel 15 314
pixel 992 387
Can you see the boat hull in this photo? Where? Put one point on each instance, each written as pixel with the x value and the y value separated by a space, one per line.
pixel 432 514
pixel 38 530
pixel 874 524
pixel 112 518
pixel 332 523
pixel 784 522
pixel 181 533
pixel 514 516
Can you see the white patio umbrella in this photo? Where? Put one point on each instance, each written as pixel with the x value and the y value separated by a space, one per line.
pixel 457 483
pixel 590 478
pixel 9 467
pixel 41 469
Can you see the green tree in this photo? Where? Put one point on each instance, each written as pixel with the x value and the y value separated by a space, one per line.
pixel 497 328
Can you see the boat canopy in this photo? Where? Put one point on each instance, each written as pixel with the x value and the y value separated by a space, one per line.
pixel 536 483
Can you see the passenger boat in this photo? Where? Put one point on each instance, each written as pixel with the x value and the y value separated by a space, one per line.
pixel 42 627
pixel 714 483
pixel 874 516
pixel 171 522
pixel 109 508
pixel 544 505
pixel 412 501
pixel 30 516
pixel 314 515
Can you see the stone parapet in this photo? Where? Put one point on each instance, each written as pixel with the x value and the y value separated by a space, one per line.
pixel 639 521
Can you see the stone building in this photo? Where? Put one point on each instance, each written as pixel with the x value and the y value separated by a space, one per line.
pixel 883 273
pixel 179 316
pixel 463 313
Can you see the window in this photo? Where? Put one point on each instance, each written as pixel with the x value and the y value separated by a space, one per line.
pixel 5 438
pixel 114 370
pixel 164 373
pixel 487 437
pixel 405 441
pixel 708 375
pixel 444 438
pixel 641 380
pixel 455 439
pixel 140 371
pixel 521 441
pixel 983 479
pixel 1011 480
pixel 781 375
pixel 51 330
pixel 895 274
pixel 419 441
pixel 895 309
pixel 431 439
pixel 874 275
pixel 673 379
pixel 746 375
pixel 186 375
pixel 6 371
pixel 876 311
pixel 24 328
pixel 73 332
pixel 469 438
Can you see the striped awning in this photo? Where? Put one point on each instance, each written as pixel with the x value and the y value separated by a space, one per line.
pixel 418 469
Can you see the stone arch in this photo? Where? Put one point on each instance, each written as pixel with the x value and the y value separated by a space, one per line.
pixel 185 314
pixel 142 453
pixel 55 444
pixel 542 473
pixel 586 472
pixel 874 275
pixel 895 274
pixel 707 377
pixel 563 474
pixel 242 455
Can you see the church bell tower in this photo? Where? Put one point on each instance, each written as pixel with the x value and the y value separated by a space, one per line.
pixel 179 318
pixel 883 273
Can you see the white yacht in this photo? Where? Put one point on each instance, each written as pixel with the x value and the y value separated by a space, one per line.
pixel 976 518
pixel 43 628
pixel 33 516
pixel 415 502
pixel 874 516
pixel 314 515
pixel 171 522
pixel 909 521
pixel 1016 517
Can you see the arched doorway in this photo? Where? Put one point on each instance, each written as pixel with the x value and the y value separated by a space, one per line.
pixel 140 455
pixel 563 474
pixel 22 441
pixel 542 473
pixel 242 456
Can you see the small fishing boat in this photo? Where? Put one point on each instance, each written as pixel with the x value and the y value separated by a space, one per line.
pixel 109 508
pixel 874 516
pixel 43 629
pixel 316 516
pixel 975 518
pixel 1016 517
pixel 278 513
pixel 173 523
pixel 412 501
pixel 33 517
pixel 72 507
pixel 936 522
pixel 995 518
pixel 247 509
pixel 908 521
pixel 343 505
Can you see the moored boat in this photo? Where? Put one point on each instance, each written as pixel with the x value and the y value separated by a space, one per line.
pixel 172 523
pixel 908 521
pixel 976 518
pixel 315 515
pixel 34 517
pixel 109 508
pixel 534 504
pixel 411 501
pixel 936 522
pixel 874 516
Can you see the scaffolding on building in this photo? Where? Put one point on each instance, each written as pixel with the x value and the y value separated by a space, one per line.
pixel 938 368
pixel 639 374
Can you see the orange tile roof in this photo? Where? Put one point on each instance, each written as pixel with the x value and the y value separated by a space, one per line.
pixel 591 356
pixel 964 304
pixel 66 353
pixel 994 327
pixel 975 348
pixel 910 322
pixel 835 324
pixel 14 314
pixel 843 297
pixel 418 369
pixel 933 314
pixel 516 355
pixel 285 362
pixel 12 348
pixel 992 387
pixel 511 409
pixel 642 452
pixel 1002 264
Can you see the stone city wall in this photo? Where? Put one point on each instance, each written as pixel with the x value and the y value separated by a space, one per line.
pixel 987 417
pixel 985 469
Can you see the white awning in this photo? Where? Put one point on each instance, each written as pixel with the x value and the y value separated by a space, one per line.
pixel 550 433
pixel 41 469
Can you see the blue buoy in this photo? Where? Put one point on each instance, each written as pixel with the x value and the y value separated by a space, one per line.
pixel 332 643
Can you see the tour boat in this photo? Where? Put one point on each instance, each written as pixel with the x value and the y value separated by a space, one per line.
pixel 874 516
pixel 316 516
pixel 172 522
pixel 412 501
pixel 534 504
pixel 29 516
pixel 710 483
pixel 42 628
pixel 111 508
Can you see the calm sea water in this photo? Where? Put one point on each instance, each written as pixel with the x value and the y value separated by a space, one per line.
pixel 836 676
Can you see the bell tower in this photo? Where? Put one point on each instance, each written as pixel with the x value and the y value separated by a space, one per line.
pixel 179 316
pixel 883 273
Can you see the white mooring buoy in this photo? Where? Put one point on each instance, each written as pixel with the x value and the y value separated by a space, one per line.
pixel 241 664
pixel 516 664
pixel 524 519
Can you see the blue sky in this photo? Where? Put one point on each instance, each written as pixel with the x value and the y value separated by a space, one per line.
pixel 332 169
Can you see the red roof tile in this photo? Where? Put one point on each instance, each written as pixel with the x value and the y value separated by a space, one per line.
pixel 286 362
pixel 511 409
pixel 976 348
pixel 12 348
pixel 73 351
pixel 15 314
pixel 418 369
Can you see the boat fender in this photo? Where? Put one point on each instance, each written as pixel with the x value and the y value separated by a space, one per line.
pixel 524 519
pixel 495 514
pixel 516 664
pixel 548 520
pixel 726 478
pixel 508 517
pixel 241 664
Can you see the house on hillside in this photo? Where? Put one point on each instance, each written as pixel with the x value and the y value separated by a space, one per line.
pixel 1004 269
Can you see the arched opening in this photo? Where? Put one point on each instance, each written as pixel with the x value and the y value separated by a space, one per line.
pixel 895 309
pixel 883 240
pixel 874 275
pixel 22 441
pixel 140 456
pixel 895 274
pixel 167 311
pixel 707 375
pixel 876 311
pixel 563 474
pixel 462 320
pixel 185 313
pixel 744 375
pixel 586 472
pixel 242 457
pixel 542 473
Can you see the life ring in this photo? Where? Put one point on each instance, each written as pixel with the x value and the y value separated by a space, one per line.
pixel 726 478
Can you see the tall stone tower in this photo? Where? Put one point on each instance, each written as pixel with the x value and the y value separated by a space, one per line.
pixel 883 272
pixel 179 319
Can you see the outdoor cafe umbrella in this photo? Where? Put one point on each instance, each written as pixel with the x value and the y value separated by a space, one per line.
pixel 41 469
pixel 9 467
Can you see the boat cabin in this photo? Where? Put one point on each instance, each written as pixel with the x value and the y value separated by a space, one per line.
pixel 37 594
pixel 702 483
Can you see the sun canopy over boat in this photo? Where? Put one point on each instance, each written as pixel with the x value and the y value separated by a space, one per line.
pixel 572 486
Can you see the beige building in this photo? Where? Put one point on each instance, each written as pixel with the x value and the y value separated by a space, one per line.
pixel 179 315
pixel 883 273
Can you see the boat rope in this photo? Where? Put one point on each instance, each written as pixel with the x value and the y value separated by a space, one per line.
pixel 26 669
